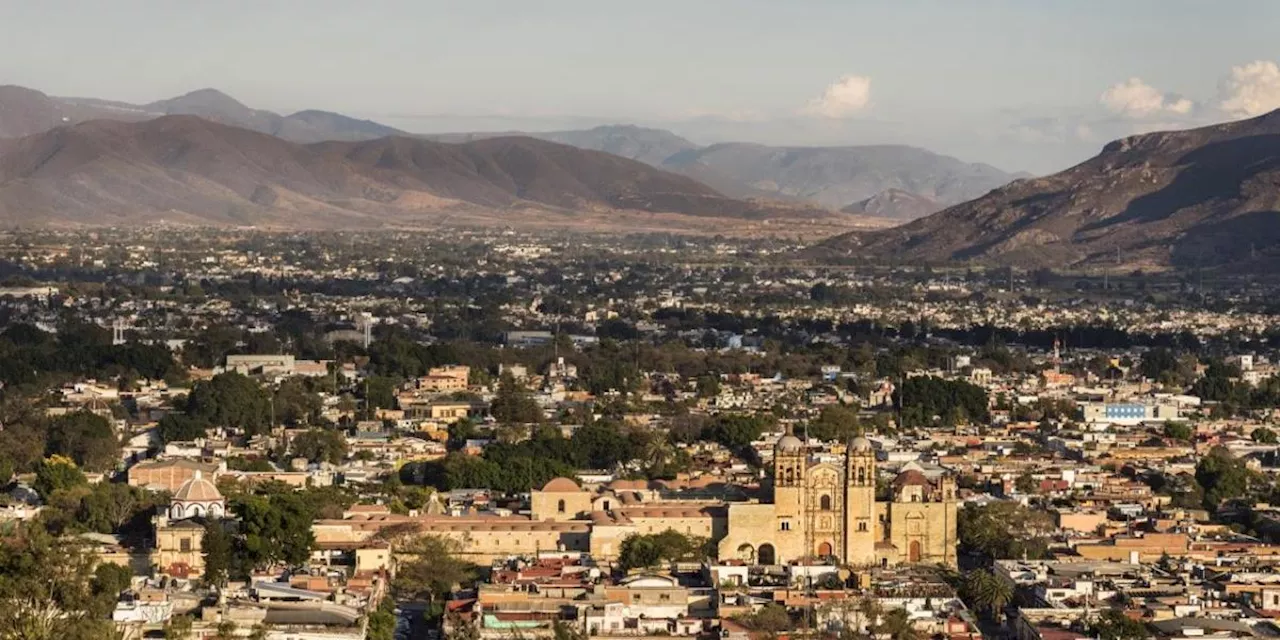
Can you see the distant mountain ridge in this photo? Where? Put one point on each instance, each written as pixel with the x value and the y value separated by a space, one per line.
pixel 894 203
pixel 191 170
pixel 1206 197
pixel 26 111
pixel 830 177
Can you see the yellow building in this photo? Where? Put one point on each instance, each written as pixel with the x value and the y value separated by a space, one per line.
pixel 179 530
pixel 816 510
pixel 820 510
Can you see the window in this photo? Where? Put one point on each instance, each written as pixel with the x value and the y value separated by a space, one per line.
pixel 862 526
pixel 664 597
pixel 607 505
pixel 560 506
pixel 786 525
pixel 862 475
pixel 825 503
pixel 184 545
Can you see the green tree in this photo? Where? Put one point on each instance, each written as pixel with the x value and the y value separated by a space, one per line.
pixel 218 547
pixel 1223 477
pixel 1004 530
pixel 835 423
pixel 1179 431
pixel 736 431
pixel 379 393
pixel 231 400
pixel 896 625
pixel 512 403
pixel 430 571
pixel 1026 483
pixel 320 445
pixel 295 405
pixel 86 438
pixel 649 550
pixel 986 591
pixel 1263 435
pixel 1113 624
pixel 49 589
pixel 177 427
pixel 708 385
pixel 601 445
pixel 382 625
pixel 924 397
pixel 772 618
pixel 275 529
pixel 57 473
pixel 109 507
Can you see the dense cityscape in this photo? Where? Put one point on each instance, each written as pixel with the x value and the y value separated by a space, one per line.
pixel 502 434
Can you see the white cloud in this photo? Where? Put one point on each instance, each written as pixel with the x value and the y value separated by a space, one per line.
pixel 1136 99
pixel 843 98
pixel 1251 89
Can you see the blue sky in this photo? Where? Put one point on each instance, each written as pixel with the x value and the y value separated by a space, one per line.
pixel 1025 84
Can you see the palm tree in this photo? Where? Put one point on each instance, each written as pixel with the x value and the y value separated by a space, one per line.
pixel 896 625
pixel 985 591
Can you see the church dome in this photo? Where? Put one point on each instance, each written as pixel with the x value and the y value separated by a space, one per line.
pixel 860 444
pixel 790 443
pixel 197 489
pixel 197 498
pixel 561 485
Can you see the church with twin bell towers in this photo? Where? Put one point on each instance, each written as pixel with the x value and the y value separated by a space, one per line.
pixel 820 509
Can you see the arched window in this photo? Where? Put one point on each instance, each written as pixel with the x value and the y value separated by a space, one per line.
pixel 791 476
pixel 862 475
pixel 825 503
pixel 560 506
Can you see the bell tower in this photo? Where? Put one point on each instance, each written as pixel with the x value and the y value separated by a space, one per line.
pixel 790 460
pixel 860 526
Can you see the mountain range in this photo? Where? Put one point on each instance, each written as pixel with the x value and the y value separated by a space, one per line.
pixel 188 169
pixel 830 177
pixel 26 111
pixel 1206 197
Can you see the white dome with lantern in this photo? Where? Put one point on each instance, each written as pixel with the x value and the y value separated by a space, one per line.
pixel 197 498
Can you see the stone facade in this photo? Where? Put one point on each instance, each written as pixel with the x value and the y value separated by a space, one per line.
pixel 820 510
pixel 817 509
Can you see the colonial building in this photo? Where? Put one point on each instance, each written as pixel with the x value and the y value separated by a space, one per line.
pixel 816 509
pixel 179 530
pixel 824 510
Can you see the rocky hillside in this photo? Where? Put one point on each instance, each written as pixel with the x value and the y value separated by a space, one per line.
pixel 895 204
pixel 1202 197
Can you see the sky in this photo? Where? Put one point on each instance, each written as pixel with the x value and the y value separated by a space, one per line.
pixel 1034 85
